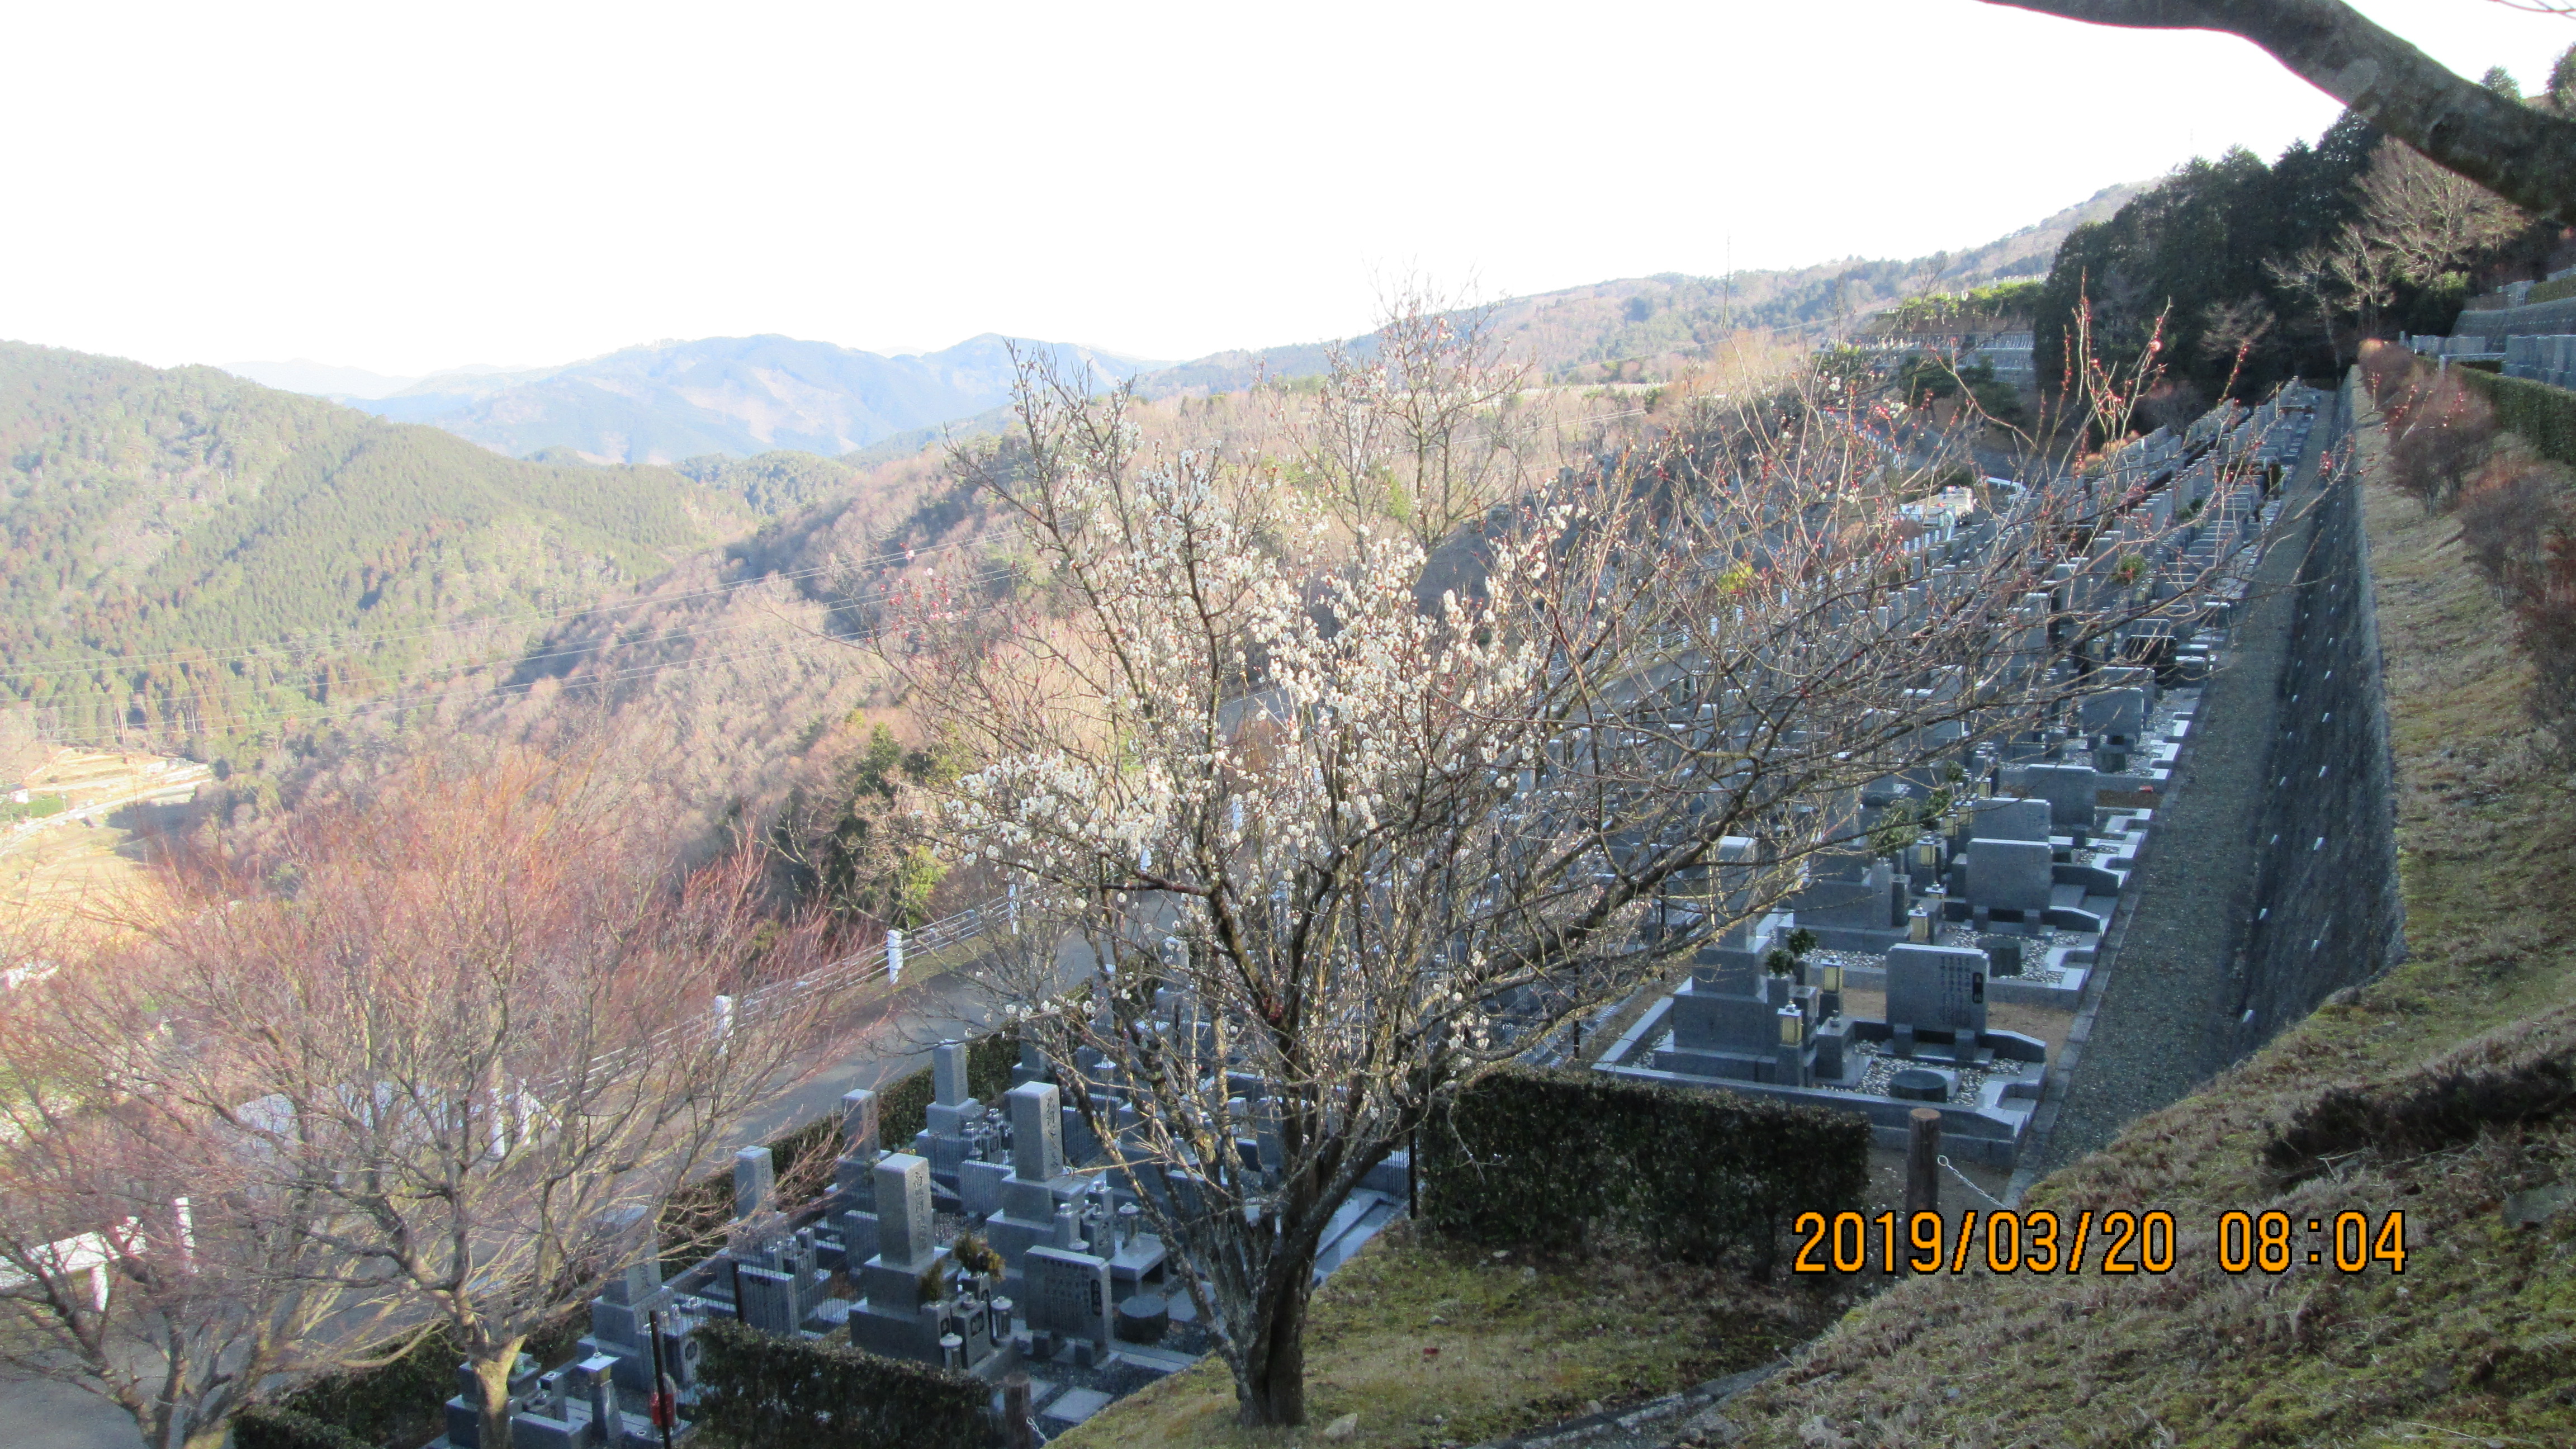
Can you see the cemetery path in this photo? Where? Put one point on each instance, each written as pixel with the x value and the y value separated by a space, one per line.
pixel 36 1414
pixel 2162 1022
pixel 892 1039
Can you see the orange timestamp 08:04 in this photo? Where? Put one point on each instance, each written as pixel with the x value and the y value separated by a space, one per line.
pixel 2114 1242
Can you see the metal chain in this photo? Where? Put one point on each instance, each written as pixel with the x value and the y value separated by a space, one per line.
pixel 1972 1185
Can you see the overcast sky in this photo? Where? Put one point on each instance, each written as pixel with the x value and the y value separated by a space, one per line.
pixel 408 187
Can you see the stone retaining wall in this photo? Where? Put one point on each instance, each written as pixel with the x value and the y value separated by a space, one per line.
pixel 2327 909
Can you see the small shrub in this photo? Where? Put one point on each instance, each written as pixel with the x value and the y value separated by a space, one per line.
pixel 262 1426
pixel 2446 435
pixel 761 1391
pixel 2508 514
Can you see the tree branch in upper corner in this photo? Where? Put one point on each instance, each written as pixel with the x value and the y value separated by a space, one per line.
pixel 2525 155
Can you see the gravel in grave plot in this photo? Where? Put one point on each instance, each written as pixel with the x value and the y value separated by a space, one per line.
pixel 1882 1067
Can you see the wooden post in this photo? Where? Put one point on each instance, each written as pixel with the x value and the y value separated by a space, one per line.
pixel 1922 1163
pixel 1017 1431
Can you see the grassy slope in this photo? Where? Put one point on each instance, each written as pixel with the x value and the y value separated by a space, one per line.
pixel 1520 1345
pixel 2478 1337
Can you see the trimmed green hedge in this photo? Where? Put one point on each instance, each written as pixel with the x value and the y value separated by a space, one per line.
pixel 761 1391
pixel 903 1105
pixel 2539 414
pixel 262 1426
pixel 2559 290
pixel 1561 1159
pixel 404 1401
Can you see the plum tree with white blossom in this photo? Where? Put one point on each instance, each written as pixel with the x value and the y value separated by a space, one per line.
pixel 1339 841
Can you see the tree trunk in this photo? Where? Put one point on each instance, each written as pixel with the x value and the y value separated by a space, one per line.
pixel 210 1435
pixel 493 1373
pixel 1273 1391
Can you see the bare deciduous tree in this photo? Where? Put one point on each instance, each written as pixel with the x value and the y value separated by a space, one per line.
pixel 1338 848
pixel 2425 220
pixel 1419 433
pixel 147 1266
pixel 467 1033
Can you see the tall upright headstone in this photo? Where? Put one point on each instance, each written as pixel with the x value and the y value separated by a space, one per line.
pixel 755 1179
pixel 948 1073
pixel 1037 1132
pixel 859 1122
pixel 854 1171
pixel 943 1140
pixel 889 1318
pixel 904 1229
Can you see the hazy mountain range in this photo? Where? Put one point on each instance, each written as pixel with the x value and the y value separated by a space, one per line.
pixel 673 400
pixel 743 396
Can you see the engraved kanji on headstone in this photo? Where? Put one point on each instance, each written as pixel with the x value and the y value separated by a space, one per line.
pixel 903 1208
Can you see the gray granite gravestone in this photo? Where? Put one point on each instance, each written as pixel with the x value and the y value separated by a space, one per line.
pixel 754 1179
pixel 2070 790
pixel 2005 817
pixel 768 1298
pixel 2120 713
pixel 1937 988
pixel 2013 875
pixel 1037 1131
pixel 943 1141
pixel 904 1227
pixel 1069 1294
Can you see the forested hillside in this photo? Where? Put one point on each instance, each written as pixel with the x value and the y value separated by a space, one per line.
pixel 192 559
pixel 2245 272
pixel 773 484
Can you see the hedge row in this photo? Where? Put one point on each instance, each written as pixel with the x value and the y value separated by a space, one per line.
pixel 761 1391
pixel 263 1427
pixel 903 1106
pixel 404 1401
pixel 2541 415
pixel 1561 1159
pixel 698 1212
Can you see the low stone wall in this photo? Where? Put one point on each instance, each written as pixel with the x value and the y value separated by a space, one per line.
pixel 2539 319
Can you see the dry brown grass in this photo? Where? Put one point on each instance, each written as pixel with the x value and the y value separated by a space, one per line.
pixel 2476 1341
pixel 1520 1344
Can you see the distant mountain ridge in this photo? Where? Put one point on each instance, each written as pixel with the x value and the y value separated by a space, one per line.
pixel 679 402
pixel 1581 334
pixel 732 395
